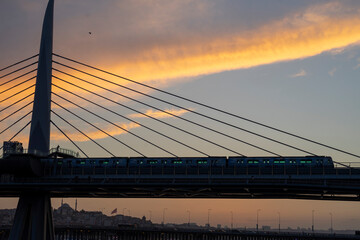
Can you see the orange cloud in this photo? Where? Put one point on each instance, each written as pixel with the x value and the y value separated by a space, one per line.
pixel 317 29
pixel 94 134
pixel 326 27
pixel 159 114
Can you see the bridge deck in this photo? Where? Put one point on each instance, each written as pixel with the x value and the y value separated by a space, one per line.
pixel 130 182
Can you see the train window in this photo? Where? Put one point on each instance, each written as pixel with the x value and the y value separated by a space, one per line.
pixel 279 161
pixel 253 161
pixel 188 161
pixel 82 162
pixel 117 162
pixel 240 161
pixel 152 161
pixel 305 161
pixel 59 162
pixel 177 162
pixel 202 162
pixel 267 161
pixel 106 162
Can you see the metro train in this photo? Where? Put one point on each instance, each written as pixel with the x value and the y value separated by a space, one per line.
pixel 233 161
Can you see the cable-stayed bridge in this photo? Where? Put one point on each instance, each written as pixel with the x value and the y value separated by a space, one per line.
pixel 71 100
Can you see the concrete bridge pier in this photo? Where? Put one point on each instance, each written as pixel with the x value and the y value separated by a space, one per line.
pixel 33 218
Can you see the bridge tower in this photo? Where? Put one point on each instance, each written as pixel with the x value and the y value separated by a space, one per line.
pixel 33 218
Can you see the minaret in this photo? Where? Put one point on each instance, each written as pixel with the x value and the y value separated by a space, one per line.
pixel 75 205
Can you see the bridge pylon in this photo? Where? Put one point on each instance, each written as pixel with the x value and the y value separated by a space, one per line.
pixel 33 217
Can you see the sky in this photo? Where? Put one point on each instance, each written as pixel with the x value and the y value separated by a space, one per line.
pixel 291 64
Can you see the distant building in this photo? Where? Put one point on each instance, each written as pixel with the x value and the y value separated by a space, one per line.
pixel 266 228
pixel 7 216
pixel 11 147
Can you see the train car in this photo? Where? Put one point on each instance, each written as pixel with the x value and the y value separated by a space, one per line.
pixel 177 162
pixel 91 162
pixel 149 162
pixel 204 161
pixel 186 165
pixel 308 161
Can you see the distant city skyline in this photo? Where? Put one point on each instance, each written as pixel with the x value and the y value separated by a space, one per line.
pixel 290 64
pixel 67 215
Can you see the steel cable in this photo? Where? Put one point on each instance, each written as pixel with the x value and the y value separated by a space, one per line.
pixel 116 125
pixel 76 115
pixel 158 120
pixel 12 65
pixel 69 139
pixel 18 77
pixel 15 111
pixel 11 125
pixel 17 133
pixel 20 100
pixel 16 85
pixel 84 134
pixel 8 74
pixel 212 108
pixel 16 93
pixel 122 116
pixel 187 120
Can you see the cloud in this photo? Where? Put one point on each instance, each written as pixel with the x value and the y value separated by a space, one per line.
pixel 332 72
pixel 302 73
pixel 337 51
pixel 149 50
pixel 299 35
pixel 159 114
pixel 94 134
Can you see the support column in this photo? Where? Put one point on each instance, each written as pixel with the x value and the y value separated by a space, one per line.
pixel 33 218
pixel 39 140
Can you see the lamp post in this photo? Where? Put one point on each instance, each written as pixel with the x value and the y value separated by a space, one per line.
pixel 163 221
pixel 101 219
pixel 209 217
pixel 188 211
pixel 232 219
pixel 257 219
pixel 331 222
pixel 279 220
pixel 313 227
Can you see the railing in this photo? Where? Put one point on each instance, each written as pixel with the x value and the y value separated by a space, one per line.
pixel 64 169
pixel 45 154
pixel 156 232
pixel 64 151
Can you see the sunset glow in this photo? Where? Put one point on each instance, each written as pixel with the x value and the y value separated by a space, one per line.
pixel 292 65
